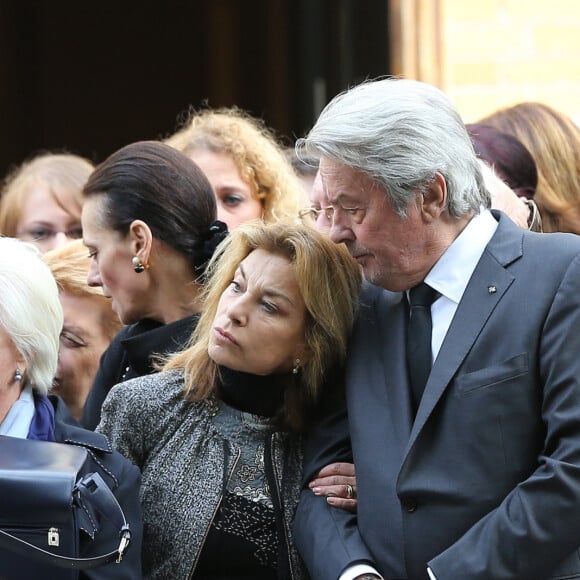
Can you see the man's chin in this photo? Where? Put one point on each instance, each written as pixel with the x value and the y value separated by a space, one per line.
pixel 373 276
pixel 363 260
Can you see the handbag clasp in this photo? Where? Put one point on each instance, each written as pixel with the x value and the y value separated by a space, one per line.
pixel 53 537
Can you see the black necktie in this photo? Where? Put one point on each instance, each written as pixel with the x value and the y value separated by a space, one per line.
pixel 419 338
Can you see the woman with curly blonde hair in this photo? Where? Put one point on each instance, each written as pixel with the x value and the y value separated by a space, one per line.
pixel 553 139
pixel 247 168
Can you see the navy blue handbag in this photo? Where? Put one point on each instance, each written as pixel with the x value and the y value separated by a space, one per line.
pixel 44 503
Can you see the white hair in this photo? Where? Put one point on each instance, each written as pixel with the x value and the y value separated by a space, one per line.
pixel 400 133
pixel 30 310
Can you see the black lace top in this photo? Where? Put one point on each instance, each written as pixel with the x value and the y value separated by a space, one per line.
pixel 243 540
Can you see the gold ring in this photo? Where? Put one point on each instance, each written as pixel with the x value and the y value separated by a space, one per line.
pixel 349 491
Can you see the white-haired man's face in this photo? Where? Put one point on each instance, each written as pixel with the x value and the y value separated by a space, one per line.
pixel 394 252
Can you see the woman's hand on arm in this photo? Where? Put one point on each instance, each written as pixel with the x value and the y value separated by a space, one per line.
pixel 337 482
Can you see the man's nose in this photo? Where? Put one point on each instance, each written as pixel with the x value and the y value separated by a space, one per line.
pixel 339 233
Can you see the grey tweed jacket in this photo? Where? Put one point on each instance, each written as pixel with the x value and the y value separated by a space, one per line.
pixel 185 462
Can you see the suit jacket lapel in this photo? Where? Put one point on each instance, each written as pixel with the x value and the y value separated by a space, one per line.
pixel 394 367
pixel 377 373
pixel 487 285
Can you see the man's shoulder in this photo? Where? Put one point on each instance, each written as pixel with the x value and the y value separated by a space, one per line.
pixel 543 257
pixel 548 256
pixel 564 246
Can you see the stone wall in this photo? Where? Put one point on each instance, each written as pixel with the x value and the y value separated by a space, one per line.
pixel 496 53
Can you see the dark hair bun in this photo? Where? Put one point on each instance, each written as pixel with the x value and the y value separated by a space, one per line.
pixel 216 234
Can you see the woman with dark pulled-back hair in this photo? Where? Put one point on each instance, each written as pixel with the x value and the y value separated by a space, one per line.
pixel 149 223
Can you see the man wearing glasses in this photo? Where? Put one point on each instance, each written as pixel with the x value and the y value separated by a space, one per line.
pixel 462 383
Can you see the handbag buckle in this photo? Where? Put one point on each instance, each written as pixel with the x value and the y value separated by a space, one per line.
pixel 122 547
pixel 53 537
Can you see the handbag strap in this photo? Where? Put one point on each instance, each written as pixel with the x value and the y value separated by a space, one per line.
pixel 95 491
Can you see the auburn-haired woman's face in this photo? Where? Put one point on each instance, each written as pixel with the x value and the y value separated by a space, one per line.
pixel 236 202
pixel 260 322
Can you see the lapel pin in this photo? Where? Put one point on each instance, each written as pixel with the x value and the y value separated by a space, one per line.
pixel 492 289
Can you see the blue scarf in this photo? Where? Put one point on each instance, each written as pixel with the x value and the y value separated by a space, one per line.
pixel 42 425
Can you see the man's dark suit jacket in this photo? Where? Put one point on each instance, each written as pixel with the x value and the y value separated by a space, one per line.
pixel 485 483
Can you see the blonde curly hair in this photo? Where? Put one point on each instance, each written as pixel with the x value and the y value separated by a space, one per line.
pixel 256 152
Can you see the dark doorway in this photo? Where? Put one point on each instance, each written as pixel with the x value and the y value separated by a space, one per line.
pixel 91 77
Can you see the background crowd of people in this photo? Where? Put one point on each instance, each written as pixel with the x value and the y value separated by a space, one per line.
pixel 197 304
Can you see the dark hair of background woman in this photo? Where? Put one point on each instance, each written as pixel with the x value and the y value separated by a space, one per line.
pixel 510 159
pixel 157 184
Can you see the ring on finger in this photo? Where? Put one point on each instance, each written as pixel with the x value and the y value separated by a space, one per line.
pixel 349 491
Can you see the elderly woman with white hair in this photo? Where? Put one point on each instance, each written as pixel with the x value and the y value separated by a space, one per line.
pixel 31 319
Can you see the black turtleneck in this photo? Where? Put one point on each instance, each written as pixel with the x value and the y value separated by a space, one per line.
pixel 257 394
pixel 247 537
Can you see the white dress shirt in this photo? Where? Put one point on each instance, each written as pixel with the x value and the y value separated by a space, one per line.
pixel 452 272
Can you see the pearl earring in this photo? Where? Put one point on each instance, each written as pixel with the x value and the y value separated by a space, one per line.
pixel 18 375
pixel 296 366
pixel 137 264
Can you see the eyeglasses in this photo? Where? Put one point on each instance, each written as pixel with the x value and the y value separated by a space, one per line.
pixel 42 234
pixel 534 219
pixel 313 212
pixel 353 213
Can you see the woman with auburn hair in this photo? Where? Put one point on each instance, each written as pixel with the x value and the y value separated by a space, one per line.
pixel 89 325
pixel 553 139
pixel 41 200
pixel 217 433
pixel 247 168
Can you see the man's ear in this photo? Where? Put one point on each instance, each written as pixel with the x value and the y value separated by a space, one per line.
pixel 141 240
pixel 434 199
